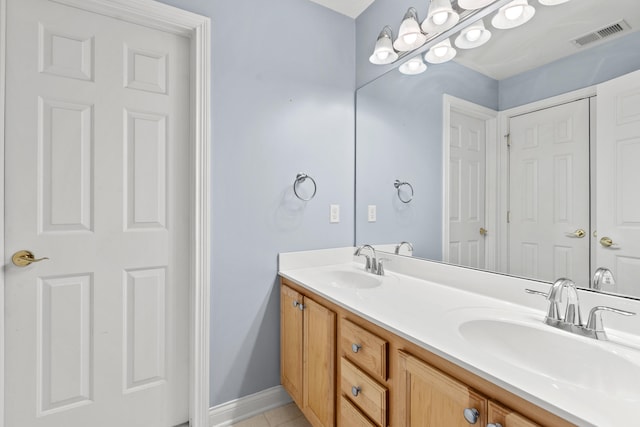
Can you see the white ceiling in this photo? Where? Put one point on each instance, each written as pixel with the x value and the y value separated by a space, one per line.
pixel 547 37
pixel 351 8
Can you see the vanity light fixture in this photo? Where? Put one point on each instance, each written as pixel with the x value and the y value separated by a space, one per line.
pixel 473 36
pixel 552 2
pixel 410 36
pixel 442 52
pixel 513 15
pixel 383 52
pixel 440 17
pixel 413 66
pixel 474 4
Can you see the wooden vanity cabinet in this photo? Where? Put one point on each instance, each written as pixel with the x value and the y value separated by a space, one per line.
pixel 308 351
pixel 430 398
pixel 401 384
pixel 499 415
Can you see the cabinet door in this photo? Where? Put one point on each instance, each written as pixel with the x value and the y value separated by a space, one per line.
pixel 319 364
pixel 429 398
pixel 291 342
pixel 498 414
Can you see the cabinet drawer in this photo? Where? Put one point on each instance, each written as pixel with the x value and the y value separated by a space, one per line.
pixel 365 349
pixel 364 392
pixel 350 416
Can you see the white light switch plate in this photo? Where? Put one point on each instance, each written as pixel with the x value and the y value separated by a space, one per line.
pixel 334 216
pixel 371 213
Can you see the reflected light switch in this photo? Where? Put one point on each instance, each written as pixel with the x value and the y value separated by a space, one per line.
pixel 334 215
pixel 371 213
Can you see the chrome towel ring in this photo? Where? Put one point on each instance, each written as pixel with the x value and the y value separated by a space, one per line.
pixel 300 178
pixel 399 184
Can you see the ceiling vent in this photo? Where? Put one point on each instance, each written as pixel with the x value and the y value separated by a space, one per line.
pixel 602 33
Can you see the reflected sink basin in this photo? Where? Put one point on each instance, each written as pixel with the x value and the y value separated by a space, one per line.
pixel 353 279
pixel 557 355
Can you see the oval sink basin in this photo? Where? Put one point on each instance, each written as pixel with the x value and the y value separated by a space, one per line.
pixel 556 355
pixel 353 279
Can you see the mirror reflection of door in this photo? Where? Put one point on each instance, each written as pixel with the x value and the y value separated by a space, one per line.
pixel 467 160
pixel 549 193
pixel 618 182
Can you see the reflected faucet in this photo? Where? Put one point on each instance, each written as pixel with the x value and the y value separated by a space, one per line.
pixel 407 244
pixel 602 276
pixel 572 320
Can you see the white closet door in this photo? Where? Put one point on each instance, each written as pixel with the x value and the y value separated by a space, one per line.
pixel 618 181
pixel 549 193
pixel 96 178
pixel 467 160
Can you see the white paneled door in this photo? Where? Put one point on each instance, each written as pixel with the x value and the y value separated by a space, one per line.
pixel 467 160
pixel 549 193
pixel 618 182
pixel 97 131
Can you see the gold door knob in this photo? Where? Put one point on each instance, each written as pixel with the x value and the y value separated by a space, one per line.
pixel 483 231
pixel 607 242
pixel 24 258
pixel 579 234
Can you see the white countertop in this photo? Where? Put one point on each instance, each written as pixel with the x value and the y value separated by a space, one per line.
pixel 429 314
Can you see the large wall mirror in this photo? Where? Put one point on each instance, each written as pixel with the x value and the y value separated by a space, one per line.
pixel 521 156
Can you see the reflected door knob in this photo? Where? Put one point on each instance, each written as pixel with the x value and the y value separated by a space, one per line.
pixel 607 242
pixel 578 234
pixel 24 258
pixel 483 231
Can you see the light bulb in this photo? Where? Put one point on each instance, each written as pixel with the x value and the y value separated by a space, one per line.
pixel 514 12
pixel 473 34
pixel 410 38
pixel 440 51
pixel 440 18
pixel 382 55
pixel 414 65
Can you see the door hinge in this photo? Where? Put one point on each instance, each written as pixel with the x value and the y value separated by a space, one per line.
pixel 508 217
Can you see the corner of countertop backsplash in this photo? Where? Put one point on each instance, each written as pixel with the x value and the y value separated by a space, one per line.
pixel 314 258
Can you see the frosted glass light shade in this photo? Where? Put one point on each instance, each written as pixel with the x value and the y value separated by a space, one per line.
pixel 513 15
pixel 410 36
pixel 413 66
pixel 474 4
pixel 383 53
pixel 440 17
pixel 442 52
pixel 552 2
pixel 473 36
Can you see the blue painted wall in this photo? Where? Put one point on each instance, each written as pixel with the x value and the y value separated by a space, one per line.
pixel 583 69
pixel 282 102
pixel 399 134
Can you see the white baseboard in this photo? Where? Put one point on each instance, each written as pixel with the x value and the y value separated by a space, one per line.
pixel 237 410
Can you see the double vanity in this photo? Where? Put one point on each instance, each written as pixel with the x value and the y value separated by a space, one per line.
pixel 428 344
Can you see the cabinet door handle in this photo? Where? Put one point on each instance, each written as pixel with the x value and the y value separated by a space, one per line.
pixel 471 415
pixel 296 303
pixel 355 391
pixel 494 425
pixel 355 347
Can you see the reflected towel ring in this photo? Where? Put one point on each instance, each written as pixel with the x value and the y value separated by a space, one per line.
pixel 300 178
pixel 399 184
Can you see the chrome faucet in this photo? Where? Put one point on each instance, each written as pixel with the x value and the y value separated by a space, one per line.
pixel 572 320
pixel 407 244
pixel 372 264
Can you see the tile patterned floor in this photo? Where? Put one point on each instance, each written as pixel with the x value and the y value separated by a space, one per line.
pixel 284 416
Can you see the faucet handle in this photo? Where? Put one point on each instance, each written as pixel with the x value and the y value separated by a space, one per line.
pixel 380 268
pixel 534 292
pixel 595 316
pixel 554 311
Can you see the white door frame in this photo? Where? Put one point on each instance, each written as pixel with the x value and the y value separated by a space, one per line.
pixel 503 154
pixel 451 103
pixel 197 29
